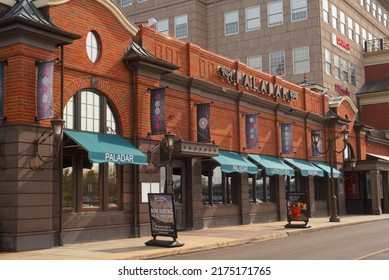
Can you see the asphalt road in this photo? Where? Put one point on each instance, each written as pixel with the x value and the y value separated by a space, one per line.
pixel 368 241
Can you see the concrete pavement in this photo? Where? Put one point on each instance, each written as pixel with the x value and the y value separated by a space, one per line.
pixel 196 240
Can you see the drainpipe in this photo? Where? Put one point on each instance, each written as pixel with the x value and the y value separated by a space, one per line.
pixel 135 229
pixel 307 134
pixel 60 217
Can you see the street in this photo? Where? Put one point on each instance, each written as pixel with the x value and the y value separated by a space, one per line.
pixel 368 241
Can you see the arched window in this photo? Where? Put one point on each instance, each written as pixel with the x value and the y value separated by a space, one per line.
pixel 87 185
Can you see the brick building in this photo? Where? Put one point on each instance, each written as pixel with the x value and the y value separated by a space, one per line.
pixel 93 184
pixel 322 40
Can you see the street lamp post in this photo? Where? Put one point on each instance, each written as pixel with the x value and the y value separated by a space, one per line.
pixel 169 141
pixel 330 150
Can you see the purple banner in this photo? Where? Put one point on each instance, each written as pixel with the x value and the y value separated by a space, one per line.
pixel 2 89
pixel 157 111
pixel 203 116
pixel 252 131
pixel 45 90
pixel 286 138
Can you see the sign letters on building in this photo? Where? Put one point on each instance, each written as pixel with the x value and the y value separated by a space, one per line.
pixel 261 86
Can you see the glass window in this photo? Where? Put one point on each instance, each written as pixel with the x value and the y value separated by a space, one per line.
pixel 299 10
pixel 126 3
pixel 352 74
pixel 181 26
pixel 364 36
pixel 368 5
pixel 253 18
pixel 301 60
pixel 385 20
pixel 345 70
pixel 275 13
pixel 163 26
pixel 231 23
pixel 67 183
pixel 96 185
pixel 277 63
pixel 342 22
pixel 357 34
pixel 93 46
pixel 328 62
pixel 90 185
pixel 255 62
pixel 217 187
pixel 321 188
pixel 334 12
pixel 379 14
pixel 326 14
pixel 257 188
pixel 336 66
pixel 350 28
pixel 374 10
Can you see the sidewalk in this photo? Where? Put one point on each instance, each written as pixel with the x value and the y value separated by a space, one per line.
pixel 197 240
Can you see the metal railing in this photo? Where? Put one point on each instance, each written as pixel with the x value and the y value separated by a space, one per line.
pixel 376 45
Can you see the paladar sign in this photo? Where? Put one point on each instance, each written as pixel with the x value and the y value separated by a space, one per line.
pixel 260 85
pixel 119 158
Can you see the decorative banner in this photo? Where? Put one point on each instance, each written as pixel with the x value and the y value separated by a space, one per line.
pixel 286 138
pixel 319 146
pixel 157 111
pixel 2 89
pixel 252 131
pixel 45 90
pixel 203 116
pixel 162 215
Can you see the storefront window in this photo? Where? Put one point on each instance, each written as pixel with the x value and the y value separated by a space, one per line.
pixel 217 187
pixel 321 188
pixel 87 185
pixel 91 187
pixel 256 189
pixel 113 190
pixel 262 188
pixel 67 185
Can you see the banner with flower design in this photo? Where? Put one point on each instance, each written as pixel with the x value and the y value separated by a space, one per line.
pixel 252 131
pixel 157 111
pixel 203 118
pixel 286 138
pixel 45 108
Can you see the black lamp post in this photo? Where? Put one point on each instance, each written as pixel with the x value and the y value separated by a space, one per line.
pixel 169 141
pixel 330 150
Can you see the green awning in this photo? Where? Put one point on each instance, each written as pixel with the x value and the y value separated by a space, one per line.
pixel 107 148
pixel 234 162
pixel 272 165
pixel 306 168
pixel 327 168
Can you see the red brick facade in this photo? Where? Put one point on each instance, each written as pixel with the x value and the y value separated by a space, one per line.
pixel 126 84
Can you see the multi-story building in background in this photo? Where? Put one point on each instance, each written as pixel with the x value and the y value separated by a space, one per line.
pixel 317 43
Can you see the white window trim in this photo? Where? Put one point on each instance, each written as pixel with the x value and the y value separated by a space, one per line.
pixel 235 13
pixel 291 11
pixel 125 5
pixel 175 26
pixel 159 22
pixel 308 61
pixel 254 19
pixel 270 66
pixel 280 12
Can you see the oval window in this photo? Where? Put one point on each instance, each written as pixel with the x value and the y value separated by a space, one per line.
pixel 93 46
